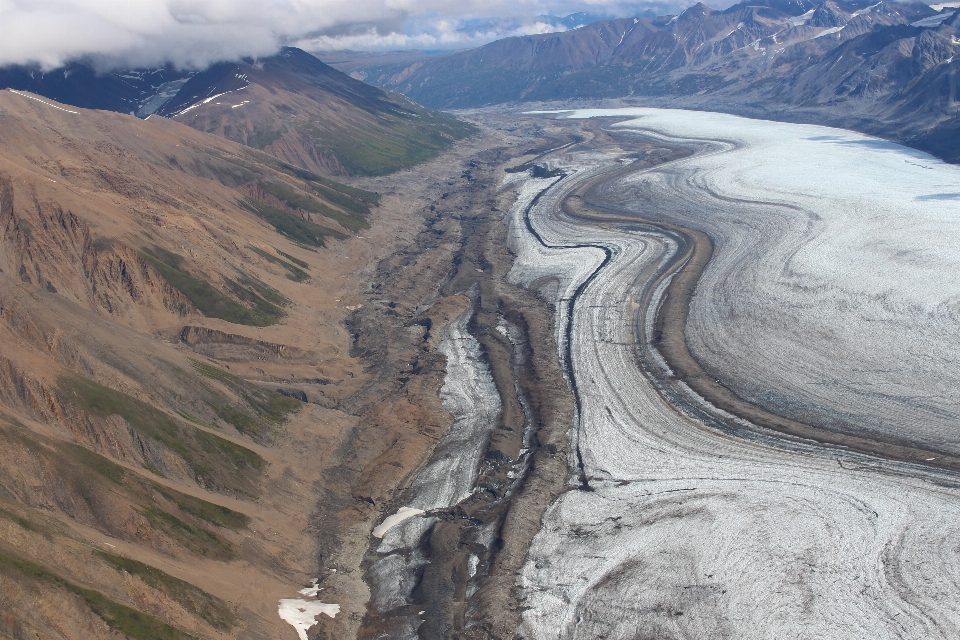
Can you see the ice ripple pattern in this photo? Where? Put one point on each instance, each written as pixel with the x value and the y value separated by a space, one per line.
pixel 690 534
pixel 833 295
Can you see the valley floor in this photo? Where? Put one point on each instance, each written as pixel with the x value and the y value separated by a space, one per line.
pixel 574 380
pixel 691 503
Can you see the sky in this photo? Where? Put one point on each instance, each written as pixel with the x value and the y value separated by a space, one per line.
pixel 194 33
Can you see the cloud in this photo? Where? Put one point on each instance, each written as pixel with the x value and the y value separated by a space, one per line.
pixel 194 33
pixel 443 34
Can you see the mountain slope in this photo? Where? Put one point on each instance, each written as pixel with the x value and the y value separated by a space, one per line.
pixel 153 482
pixel 306 113
pixel 292 106
pixel 888 68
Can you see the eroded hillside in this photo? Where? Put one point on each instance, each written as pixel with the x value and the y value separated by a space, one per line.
pixel 174 377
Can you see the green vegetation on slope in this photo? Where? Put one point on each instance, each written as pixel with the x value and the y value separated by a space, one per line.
pixel 303 232
pixel 264 303
pixel 216 463
pixel 295 200
pixel 293 273
pixel 269 408
pixel 155 503
pixel 23 523
pixel 260 138
pixel 296 261
pixel 128 621
pixel 196 540
pixel 360 198
pixel 350 198
pixel 215 611
pixel 212 513
pixel 346 205
pixel 109 490
pixel 386 142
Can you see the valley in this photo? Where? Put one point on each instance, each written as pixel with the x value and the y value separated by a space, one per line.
pixel 192 431
pixel 607 373
pixel 683 519
pixel 887 69
pixel 375 320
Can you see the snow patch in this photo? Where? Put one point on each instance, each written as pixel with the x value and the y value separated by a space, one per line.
pixel 933 21
pixel 799 21
pixel 865 9
pixel 827 32
pixel 403 513
pixel 311 591
pixel 27 95
pixel 302 614
pixel 214 97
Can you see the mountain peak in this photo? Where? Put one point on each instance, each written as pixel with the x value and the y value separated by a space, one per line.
pixel 695 12
pixel 828 15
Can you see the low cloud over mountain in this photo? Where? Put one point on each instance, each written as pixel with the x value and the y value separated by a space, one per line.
pixel 195 33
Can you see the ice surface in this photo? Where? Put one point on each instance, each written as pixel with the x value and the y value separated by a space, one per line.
pixel 833 295
pixel 933 21
pixel 828 31
pixel 165 93
pixel 470 395
pixel 689 533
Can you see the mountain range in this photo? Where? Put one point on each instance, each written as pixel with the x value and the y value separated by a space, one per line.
pixel 886 68
pixel 291 105
pixel 216 362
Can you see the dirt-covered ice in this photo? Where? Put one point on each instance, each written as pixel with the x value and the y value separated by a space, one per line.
pixel 687 532
pixel 469 394
pixel 833 295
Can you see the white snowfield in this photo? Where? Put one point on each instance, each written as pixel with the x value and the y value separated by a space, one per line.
pixel 302 614
pixel 403 513
pixel 689 533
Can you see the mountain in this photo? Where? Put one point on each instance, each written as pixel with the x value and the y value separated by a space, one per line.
pixel 887 68
pixel 297 108
pixel 165 299
pixel 292 106
pixel 136 91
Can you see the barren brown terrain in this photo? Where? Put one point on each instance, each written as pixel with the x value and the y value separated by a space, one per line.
pixel 204 409
pixel 150 465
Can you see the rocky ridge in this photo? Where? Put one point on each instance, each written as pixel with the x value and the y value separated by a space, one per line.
pixel 885 68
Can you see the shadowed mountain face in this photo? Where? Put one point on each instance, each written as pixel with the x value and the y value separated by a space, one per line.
pixel 887 68
pixel 136 91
